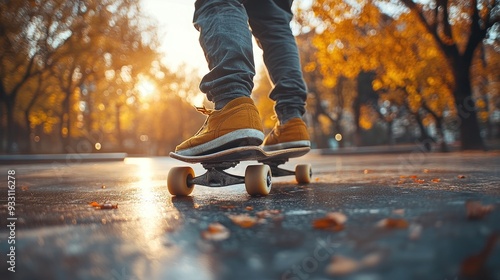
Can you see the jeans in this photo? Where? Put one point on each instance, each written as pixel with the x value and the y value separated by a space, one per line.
pixel 226 40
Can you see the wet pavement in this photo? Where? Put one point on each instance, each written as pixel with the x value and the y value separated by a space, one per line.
pixel 151 235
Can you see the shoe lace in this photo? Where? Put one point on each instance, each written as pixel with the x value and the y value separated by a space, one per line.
pixel 204 110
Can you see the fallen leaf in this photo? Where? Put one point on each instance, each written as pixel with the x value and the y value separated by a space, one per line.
pixel 243 220
pixel 332 221
pixel 215 232
pixel 419 181
pixel 371 260
pixel 461 176
pixel 24 188
pixel 109 205
pixel 400 212
pixel 94 204
pixel 472 266
pixel 426 170
pixel 392 223
pixel 249 208
pixel 436 180
pixel 227 206
pixel 105 206
pixel 340 265
pixel 267 213
pixel 412 176
pixel 415 231
pixel 476 211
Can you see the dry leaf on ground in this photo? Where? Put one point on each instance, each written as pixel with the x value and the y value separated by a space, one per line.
pixel 476 211
pixel 341 265
pixel 392 223
pixel 106 205
pixel 267 213
pixel 215 232
pixel 400 212
pixel 415 231
pixel 472 266
pixel 332 221
pixel 371 260
pixel 243 220
pixel 94 204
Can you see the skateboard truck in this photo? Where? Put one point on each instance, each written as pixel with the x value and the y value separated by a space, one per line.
pixel 217 177
pixel 276 170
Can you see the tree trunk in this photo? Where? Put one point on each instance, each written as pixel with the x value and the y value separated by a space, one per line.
pixel 118 127
pixel 357 115
pixel 425 138
pixel 11 126
pixel 27 135
pixel 65 124
pixel 470 134
pixel 440 131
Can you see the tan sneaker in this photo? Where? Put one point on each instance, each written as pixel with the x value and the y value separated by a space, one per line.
pixel 237 124
pixel 293 134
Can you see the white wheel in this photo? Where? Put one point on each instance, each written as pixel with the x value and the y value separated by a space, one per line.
pixel 258 180
pixel 303 173
pixel 178 181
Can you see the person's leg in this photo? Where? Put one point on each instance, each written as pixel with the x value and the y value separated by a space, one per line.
pixel 226 40
pixel 270 23
pixel 227 43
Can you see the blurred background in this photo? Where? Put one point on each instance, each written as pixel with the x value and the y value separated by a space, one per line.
pixel 88 76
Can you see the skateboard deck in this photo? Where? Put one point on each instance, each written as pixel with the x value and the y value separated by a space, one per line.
pixel 257 179
pixel 244 154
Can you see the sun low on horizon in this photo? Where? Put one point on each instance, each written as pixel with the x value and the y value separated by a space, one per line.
pixel 178 37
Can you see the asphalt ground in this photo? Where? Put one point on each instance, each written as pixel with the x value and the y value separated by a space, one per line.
pixel 396 216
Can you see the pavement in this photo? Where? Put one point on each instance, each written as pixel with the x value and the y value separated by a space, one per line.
pixel 412 215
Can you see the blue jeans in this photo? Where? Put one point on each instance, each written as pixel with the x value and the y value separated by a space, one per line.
pixel 227 43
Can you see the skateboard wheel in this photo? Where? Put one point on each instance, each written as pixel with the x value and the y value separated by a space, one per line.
pixel 178 181
pixel 303 173
pixel 258 180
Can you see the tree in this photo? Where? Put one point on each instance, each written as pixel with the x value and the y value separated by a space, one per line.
pixel 458 28
pixel 379 36
pixel 70 46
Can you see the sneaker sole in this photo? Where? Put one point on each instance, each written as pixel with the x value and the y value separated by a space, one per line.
pixel 240 137
pixel 287 145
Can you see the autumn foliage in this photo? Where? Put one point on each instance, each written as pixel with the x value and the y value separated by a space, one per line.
pixel 401 64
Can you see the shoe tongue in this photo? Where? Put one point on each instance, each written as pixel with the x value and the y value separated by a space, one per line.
pixel 238 101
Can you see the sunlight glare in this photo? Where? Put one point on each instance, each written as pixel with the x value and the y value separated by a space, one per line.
pixel 146 87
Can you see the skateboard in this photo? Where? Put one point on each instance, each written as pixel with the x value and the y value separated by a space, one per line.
pixel 257 179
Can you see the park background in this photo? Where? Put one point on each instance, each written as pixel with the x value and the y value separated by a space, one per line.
pixel 88 76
